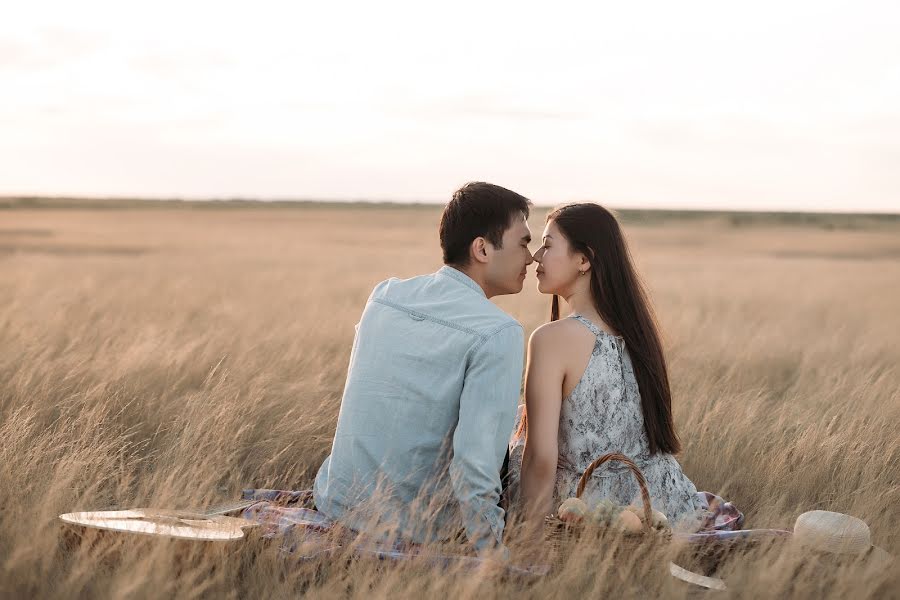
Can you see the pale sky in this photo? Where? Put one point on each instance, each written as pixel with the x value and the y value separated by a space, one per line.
pixel 766 105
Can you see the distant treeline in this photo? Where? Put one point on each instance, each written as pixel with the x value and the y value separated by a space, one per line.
pixel 748 218
pixel 823 220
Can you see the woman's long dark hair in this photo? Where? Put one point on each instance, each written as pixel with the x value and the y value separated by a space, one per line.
pixel 621 301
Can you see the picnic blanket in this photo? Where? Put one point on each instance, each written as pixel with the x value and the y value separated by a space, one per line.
pixel 307 534
pixel 288 517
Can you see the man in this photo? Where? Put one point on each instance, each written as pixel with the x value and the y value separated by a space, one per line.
pixel 433 384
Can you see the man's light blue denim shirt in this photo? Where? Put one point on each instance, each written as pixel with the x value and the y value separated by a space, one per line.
pixel 428 407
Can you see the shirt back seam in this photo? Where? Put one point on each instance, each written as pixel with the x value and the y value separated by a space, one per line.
pixel 429 317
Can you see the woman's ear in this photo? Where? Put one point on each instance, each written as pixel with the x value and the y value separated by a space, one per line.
pixel 584 264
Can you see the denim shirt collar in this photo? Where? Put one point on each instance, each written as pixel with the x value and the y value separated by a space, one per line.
pixel 462 278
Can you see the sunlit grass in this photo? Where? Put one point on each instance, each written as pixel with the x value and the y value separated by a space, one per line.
pixel 172 357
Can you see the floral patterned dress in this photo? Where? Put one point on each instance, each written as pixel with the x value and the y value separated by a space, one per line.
pixel 603 414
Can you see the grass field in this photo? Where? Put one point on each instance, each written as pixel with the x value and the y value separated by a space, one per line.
pixel 171 357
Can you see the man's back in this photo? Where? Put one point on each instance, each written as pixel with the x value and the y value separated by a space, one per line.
pixel 430 399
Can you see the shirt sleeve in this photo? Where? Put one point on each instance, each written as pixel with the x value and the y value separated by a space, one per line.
pixel 487 410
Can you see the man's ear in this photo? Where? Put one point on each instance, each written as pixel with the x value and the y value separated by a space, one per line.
pixel 478 250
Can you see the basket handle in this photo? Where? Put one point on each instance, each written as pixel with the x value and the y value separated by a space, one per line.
pixel 642 482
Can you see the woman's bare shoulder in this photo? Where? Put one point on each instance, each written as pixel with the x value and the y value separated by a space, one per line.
pixel 560 334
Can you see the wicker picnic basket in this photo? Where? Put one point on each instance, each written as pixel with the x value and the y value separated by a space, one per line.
pixel 561 534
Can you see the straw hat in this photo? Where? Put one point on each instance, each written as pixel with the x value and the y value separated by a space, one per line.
pixel 835 533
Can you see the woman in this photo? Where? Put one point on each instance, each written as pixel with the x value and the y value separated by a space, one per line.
pixel 596 381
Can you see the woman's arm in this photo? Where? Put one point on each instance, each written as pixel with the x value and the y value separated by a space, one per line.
pixel 543 399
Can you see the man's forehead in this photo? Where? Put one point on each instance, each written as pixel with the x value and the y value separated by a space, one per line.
pixel 520 227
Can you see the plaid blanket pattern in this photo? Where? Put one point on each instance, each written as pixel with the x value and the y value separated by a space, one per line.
pixel 288 517
pixel 306 533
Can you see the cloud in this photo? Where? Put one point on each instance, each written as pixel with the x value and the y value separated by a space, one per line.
pixel 179 65
pixel 47 48
pixel 490 107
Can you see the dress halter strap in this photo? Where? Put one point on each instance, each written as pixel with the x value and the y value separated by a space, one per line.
pixel 594 329
pixel 618 343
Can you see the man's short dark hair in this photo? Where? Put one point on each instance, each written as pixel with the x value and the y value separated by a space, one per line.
pixel 478 209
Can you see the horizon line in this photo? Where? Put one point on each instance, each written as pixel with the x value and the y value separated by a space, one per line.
pixel 10 201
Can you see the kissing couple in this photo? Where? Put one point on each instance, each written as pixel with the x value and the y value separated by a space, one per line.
pixel 428 436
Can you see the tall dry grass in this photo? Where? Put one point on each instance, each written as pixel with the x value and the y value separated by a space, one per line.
pixel 172 357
